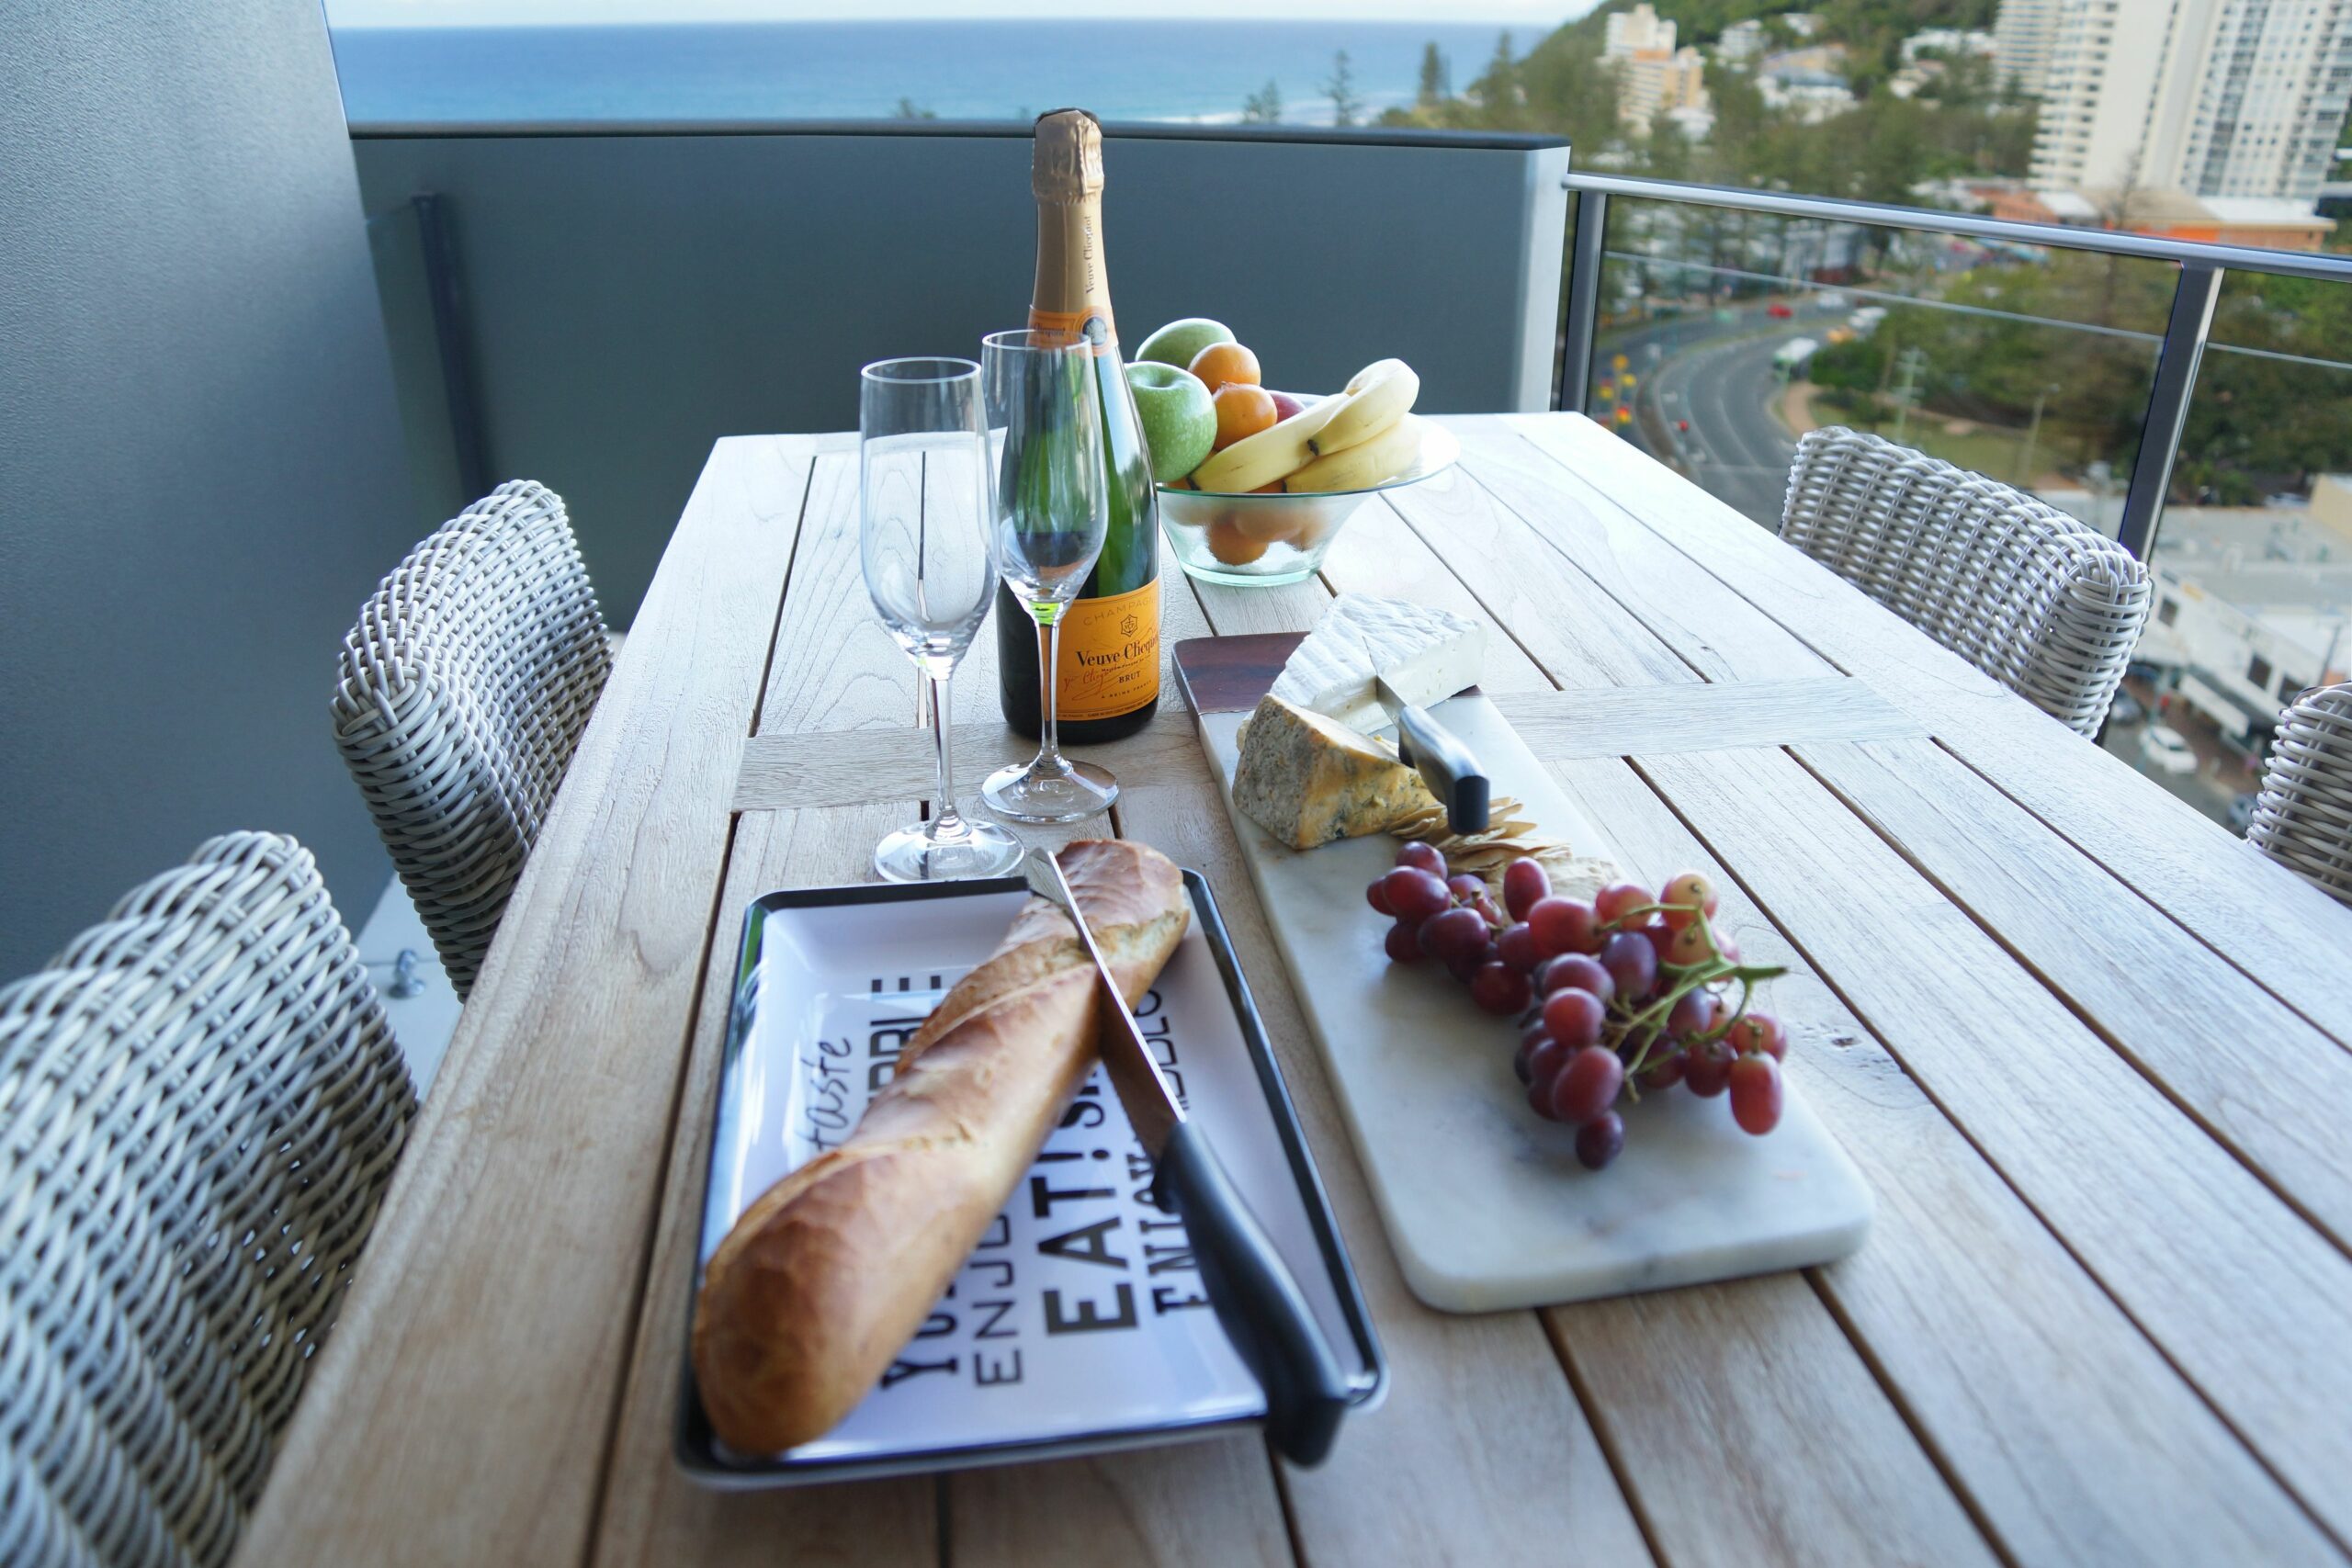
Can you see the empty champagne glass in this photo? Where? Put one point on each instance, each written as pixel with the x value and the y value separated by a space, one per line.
pixel 1052 511
pixel 925 541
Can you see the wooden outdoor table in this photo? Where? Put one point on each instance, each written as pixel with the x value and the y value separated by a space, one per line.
pixel 2093 1054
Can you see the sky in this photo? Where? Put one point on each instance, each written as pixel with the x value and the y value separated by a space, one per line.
pixel 1542 13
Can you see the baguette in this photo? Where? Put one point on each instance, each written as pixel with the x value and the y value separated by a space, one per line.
pixel 828 1274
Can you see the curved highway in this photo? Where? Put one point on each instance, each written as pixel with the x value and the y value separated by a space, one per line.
pixel 1718 378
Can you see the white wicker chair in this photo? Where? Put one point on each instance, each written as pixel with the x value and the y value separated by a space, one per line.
pixel 463 692
pixel 2044 605
pixel 200 1104
pixel 2303 817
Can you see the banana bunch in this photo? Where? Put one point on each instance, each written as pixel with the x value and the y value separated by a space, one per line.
pixel 1355 439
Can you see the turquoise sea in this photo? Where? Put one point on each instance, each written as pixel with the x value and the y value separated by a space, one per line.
pixel 1198 72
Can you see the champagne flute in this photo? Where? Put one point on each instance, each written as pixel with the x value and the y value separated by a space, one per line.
pixel 1052 512
pixel 926 544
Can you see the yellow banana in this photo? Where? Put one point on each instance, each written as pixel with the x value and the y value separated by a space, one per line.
pixel 1367 463
pixel 1378 394
pixel 1255 461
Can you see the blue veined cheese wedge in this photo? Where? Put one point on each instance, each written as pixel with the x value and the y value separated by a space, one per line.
pixel 1307 779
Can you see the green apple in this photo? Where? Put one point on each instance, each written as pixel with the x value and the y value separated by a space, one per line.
pixel 1176 343
pixel 1179 420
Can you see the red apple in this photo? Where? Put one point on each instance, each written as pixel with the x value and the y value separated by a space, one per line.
pixel 1285 405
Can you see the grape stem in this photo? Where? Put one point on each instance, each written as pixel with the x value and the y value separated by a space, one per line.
pixel 1687 977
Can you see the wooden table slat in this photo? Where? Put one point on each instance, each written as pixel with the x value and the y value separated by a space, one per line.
pixel 2223 1275
pixel 2075 1440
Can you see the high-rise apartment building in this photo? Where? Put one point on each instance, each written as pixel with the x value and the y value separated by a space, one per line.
pixel 1653 76
pixel 2210 97
pixel 1637 31
pixel 2021 38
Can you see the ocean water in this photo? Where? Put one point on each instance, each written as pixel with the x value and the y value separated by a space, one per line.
pixel 1198 72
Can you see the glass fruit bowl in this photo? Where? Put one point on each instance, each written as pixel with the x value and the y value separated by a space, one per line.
pixel 1261 539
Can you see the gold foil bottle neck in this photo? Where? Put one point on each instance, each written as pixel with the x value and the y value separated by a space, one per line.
pixel 1067 163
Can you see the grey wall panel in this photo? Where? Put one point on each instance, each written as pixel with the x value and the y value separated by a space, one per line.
pixel 632 297
pixel 200 468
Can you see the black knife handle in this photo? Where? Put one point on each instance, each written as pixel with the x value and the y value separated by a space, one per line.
pixel 1258 1303
pixel 1446 766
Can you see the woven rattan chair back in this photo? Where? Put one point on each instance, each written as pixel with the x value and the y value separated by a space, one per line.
pixel 463 692
pixel 2303 817
pixel 200 1104
pixel 2041 604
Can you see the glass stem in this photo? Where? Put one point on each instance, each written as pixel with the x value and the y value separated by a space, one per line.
pixel 944 823
pixel 1049 750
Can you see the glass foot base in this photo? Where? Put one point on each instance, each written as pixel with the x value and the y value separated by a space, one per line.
pixel 967 849
pixel 1026 793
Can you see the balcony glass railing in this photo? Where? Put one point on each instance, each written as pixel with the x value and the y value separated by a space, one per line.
pixel 2193 401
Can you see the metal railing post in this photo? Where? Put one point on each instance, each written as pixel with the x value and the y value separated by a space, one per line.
pixel 1584 299
pixel 452 341
pixel 2193 300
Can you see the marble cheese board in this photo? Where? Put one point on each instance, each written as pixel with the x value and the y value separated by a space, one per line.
pixel 1482 1201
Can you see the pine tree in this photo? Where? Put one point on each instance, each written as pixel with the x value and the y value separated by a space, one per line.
pixel 1436 85
pixel 1346 107
pixel 1264 106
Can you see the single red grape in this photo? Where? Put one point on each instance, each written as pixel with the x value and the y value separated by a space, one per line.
pixel 1693 1014
pixel 1587 1085
pixel 1619 899
pixel 1517 944
pixel 1538 1098
pixel 1728 947
pixel 1499 989
pixel 1664 1070
pixel 1574 1017
pixel 1687 897
pixel 1601 1140
pixel 1453 934
pixel 1415 895
pixel 1465 887
pixel 1545 1059
pixel 1576 971
pixel 1378 897
pixel 1756 1093
pixel 1632 962
pixel 1688 946
pixel 1562 925
pixel 1708 1068
pixel 1658 937
pixel 1470 963
pixel 1522 1059
pixel 1404 943
pixel 1760 1032
pixel 1422 857
pixel 1486 911
pixel 1524 882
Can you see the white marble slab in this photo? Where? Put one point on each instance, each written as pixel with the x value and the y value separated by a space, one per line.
pixel 1484 1201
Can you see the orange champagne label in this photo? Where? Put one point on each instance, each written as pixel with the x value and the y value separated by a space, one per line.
pixel 1107 660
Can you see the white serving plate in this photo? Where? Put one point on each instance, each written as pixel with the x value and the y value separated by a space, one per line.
pixel 1079 1322
pixel 1483 1200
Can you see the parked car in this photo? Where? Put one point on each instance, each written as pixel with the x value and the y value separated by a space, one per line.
pixel 2145 672
pixel 2242 811
pixel 1779 311
pixel 2162 748
pixel 2125 710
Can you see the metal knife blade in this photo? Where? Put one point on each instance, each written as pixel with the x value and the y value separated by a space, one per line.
pixel 1257 1302
pixel 1445 764
pixel 1150 1106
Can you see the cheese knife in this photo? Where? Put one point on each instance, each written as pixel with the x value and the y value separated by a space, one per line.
pixel 1257 1302
pixel 1445 764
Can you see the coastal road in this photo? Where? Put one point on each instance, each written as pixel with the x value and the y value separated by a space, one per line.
pixel 1718 377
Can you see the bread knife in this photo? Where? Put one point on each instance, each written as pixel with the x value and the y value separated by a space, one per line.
pixel 1257 1302
pixel 1445 764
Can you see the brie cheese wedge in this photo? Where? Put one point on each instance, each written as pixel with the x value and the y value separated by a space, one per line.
pixel 1426 654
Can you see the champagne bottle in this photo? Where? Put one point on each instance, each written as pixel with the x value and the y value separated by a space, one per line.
pixel 1108 658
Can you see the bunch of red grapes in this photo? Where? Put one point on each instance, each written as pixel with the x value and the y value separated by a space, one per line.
pixel 1626 993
